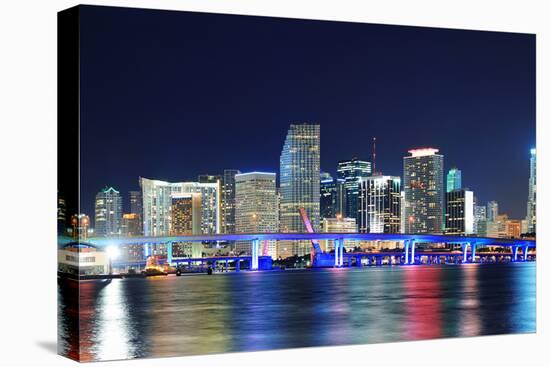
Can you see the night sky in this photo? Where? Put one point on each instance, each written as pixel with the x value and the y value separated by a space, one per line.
pixel 170 95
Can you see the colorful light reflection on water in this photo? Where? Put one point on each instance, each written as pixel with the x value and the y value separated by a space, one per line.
pixel 169 316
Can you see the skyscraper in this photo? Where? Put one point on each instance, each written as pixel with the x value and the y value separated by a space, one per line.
pixel 256 209
pixel 333 197
pixel 157 205
pixel 136 207
pixel 380 204
pixel 424 191
pixel 108 212
pixel 351 172
pixel 228 200
pixel 532 199
pixel 299 182
pixel 492 211
pixel 480 220
pixel 459 215
pixel 130 225
pixel 186 214
pixel 454 179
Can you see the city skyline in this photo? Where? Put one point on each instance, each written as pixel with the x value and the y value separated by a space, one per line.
pixel 407 86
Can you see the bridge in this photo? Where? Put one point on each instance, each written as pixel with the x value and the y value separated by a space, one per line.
pixel 408 256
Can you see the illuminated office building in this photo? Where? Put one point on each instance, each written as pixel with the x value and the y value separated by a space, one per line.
pixel 424 191
pixel 480 220
pixel 108 212
pixel 351 171
pixel 300 183
pixel 454 179
pixel 492 211
pixel 186 214
pixel 228 200
pixel 459 215
pixel 157 205
pixel 131 225
pixel 338 225
pixel 333 197
pixel 136 207
pixel 256 209
pixel 379 204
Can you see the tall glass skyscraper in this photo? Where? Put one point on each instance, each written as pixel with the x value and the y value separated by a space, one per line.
pixel 108 212
pixel 454 179
pixel 532 199
pixel 380 204
pixel 351 172
pixel 424 191
pixel 299 183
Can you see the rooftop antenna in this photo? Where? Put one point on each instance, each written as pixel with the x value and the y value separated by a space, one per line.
pixel 374 155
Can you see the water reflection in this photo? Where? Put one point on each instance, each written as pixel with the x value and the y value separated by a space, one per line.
pixel 170 316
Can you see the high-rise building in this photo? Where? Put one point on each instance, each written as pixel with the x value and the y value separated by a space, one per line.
pixel 338 225
pixel 351 171
pixel 300 183
pixel 380 204
pixel 480 220
pixel 500 225
pixel 256 209
pixel 513 228
pixel 131 225
pixel 492 211
pixel 218 180
pixel 532 199
pixel 228 200
pixel 136 207
pixel 186 214
pixel 459 215
pixel 333 196
pixel 157 205
pixel 108 212
pixel 424 191
pixel 454 179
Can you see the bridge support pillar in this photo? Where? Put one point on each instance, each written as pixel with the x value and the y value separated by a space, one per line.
pixel 465 252
pixel 341 257
pixel 254 260
pixel 336 252
pixel 358 261
pixel 238 265
pixel 514 253
pixel 406 248
pixel 169 253
pixel 525 251
pixel 473 245
pixel 413 260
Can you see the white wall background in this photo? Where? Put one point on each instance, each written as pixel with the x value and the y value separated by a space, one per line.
pixel 28 179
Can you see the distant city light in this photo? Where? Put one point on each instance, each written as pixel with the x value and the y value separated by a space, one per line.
pixel 533 151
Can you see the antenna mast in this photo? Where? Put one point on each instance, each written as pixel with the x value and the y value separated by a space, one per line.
pixel 374 155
